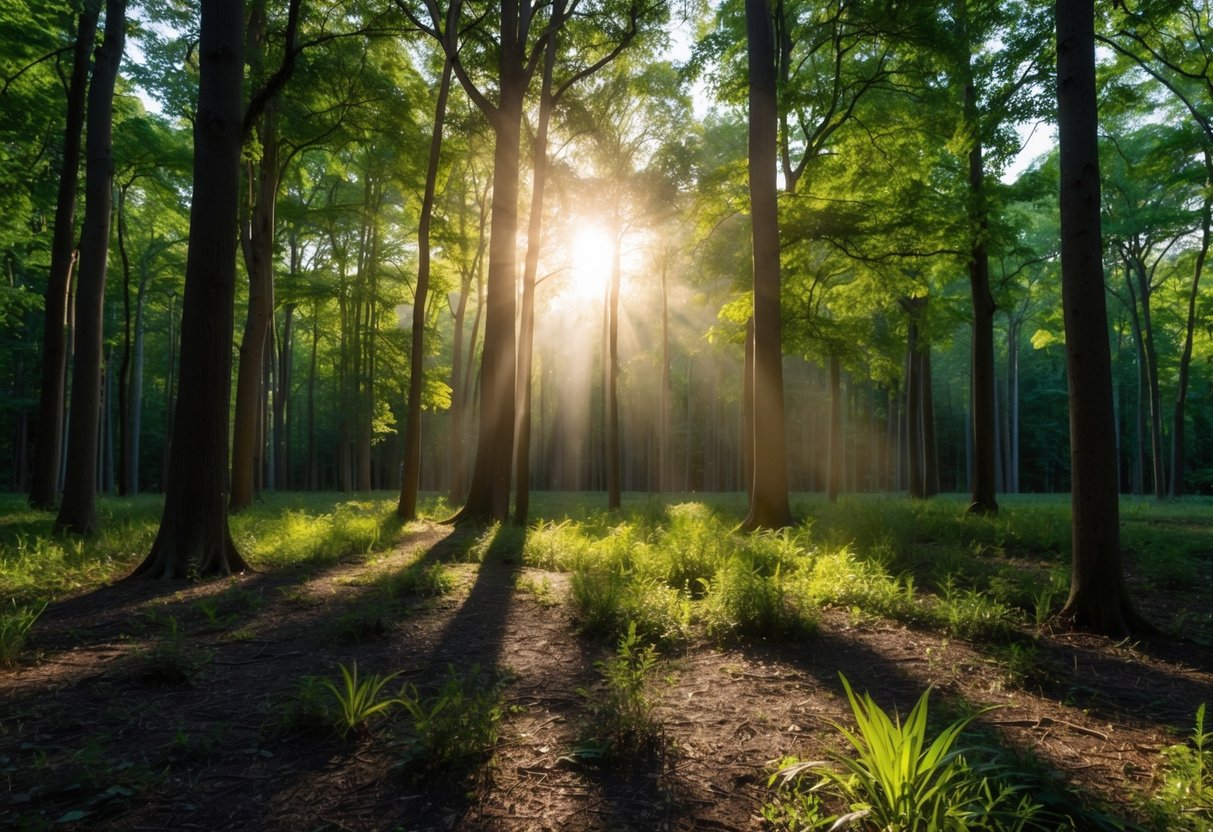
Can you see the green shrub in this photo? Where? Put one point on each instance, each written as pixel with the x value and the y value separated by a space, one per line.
pixel 621 710
pixel 358 700
pixel 16 621
pixel 1185 797
pixel 900 779
pixel 455 728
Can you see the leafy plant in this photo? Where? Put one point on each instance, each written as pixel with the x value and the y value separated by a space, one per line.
pixel 621 710
pixel 171 658
pixel 358 699
pixel 900 779
pixel 15 625
pixel 1185 798
pixel 456 726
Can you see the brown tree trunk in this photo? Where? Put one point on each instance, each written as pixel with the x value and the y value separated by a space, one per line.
pixel 1098 598
pixel 1185 359
pixel 930 449
pixel 530 270
pixel 747 410
pixel 411 476
pixel 48 443
pixel 489 491
pixel 193 538
pixel 127 466
pixel 665 451
pixel 282 399
pixel 915 456
pixel 769 507
pixel 78 511
pixel 258 246
pixel 835 474
pixel 613 461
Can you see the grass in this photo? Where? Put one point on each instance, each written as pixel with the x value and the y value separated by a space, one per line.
pixel 1185 796
pixel 620 705
pixel 897 778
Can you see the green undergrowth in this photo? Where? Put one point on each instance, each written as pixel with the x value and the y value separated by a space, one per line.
pixel 278 531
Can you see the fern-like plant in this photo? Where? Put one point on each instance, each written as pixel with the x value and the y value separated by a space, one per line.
pixel 359 699
pixel 901 779
pixel 15 624
pixel 1185 798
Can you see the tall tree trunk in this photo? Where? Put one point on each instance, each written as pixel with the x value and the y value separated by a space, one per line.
pixel 134 408
pixel 747 410
pixel 78 511
pixel 1152 385
pixel 124 369
pixel 914 400
pixel 530 270
pixel 769 507
pixel 257 243
pixel 665 480
pixel 411 476
pixel 613 460
pixel 1185 358
pixel 930 449
pixel 313 467
pixel 282 399
pixel 1013 404
pixel 836 454
pixel 170 396
pixel 985 437
pixel 48 443
pixel 193 538
pixel 1098 598
pixel 489 491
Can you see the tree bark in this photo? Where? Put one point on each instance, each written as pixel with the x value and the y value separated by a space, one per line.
pixel 1098 598
pixel 835 475
pixel 530 270
pixel 48 443
pixel 283 413
pixel 78 511
pixel 769 507
pixel 1185 358
pixel 613 461
pixel 125 474
pixel 193 538
pixel 257 242
pixel 411 477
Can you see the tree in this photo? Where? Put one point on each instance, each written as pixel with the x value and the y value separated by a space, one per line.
pixel 769 507
pixel 407 507
pixel 1098 598
pixel 193 538
pixel 44 483
pixel 78 511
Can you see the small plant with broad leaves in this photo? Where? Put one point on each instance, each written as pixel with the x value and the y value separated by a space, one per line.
pixel 899 779
pixel 620 707
pixel 16 621
pixel 1185 796
pixel 359 699
pixel 172 658
pixel 456 727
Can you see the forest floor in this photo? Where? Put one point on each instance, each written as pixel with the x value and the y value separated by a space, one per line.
pixel 147 706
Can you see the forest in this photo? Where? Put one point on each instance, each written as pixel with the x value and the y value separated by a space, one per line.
pixel 606 414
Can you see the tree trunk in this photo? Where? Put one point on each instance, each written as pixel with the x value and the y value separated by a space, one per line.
pixel 982 499
pixel 835 474
pixel 930 449
pixel 257 242
pixel 313 468
pixel 530 269
pixel 489 491
pixel 1185 359
pixel 747 410
pixel 282 399
pixel 48 443
pixel 1098 598
pixel 78 511
pixel 914 394
pixel 170 397
pixel 411 475
pixel 124 369
pixel 665 480
pixel 134 408
pixel 1154 398
pixel 193 539
pixel 613 461
pixel 769 507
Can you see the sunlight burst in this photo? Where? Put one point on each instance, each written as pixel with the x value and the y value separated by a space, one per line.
pixel 590 254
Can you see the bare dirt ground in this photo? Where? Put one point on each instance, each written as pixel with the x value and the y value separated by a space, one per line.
pixel 96 735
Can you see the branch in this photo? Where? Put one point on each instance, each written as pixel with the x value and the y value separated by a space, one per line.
pixel 8 82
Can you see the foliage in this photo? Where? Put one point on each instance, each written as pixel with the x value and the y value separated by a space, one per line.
pixel 902 778
pixel 16 621
pixel 171 658
pixel 1185 797
pixel 457 726
pixel 358 699
pixel 620 706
